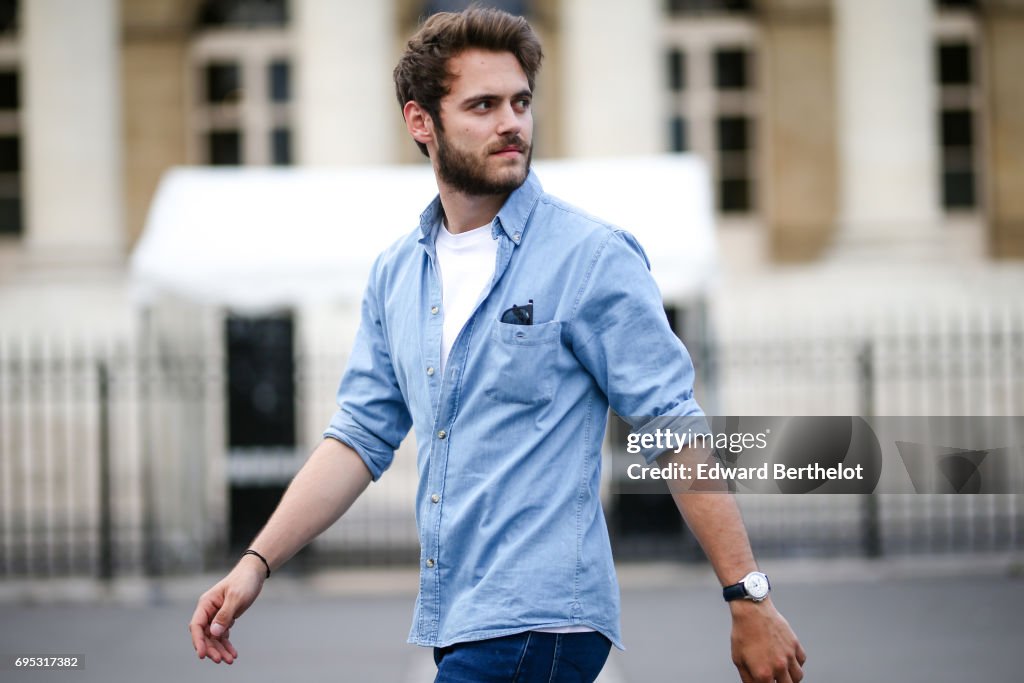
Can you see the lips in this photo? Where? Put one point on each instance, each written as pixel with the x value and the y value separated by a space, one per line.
pixel 512 144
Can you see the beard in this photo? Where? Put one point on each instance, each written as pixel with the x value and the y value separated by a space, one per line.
pixel 468 174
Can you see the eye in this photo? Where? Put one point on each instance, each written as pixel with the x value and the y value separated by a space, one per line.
pixel 482 105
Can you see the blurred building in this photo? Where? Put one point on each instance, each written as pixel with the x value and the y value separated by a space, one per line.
pixel 831 126
pixel 866 156
pixel 827 122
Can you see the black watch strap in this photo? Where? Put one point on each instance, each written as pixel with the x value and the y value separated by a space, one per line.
pixel 734 592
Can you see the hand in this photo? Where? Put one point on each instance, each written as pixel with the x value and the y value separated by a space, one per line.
pixel 220 606
pixel 764 647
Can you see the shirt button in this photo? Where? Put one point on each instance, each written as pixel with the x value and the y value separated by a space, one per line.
pixel 442 434
pixel 434 310
pixel 430 563
pixel 515 237
pixel 435 498
pixel 430 371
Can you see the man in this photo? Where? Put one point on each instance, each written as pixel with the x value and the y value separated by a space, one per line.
pixel 501 331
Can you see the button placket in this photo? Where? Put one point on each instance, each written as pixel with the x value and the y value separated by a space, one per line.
pixel 429 580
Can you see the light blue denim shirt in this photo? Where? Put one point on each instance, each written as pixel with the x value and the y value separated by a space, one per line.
pixel 511 528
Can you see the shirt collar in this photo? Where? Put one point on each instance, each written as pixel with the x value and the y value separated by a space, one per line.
pixel 511 219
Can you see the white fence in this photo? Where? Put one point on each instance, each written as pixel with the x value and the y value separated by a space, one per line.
pixel 113 455
pixel 933 361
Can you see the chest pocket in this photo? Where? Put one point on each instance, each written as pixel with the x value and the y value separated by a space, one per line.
pixel 524 358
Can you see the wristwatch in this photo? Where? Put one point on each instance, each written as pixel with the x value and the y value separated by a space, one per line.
pixel 754 586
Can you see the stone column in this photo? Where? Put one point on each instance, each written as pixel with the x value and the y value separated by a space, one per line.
pixel 612 90
pixel 72 141
pixel 888 182
pixel 155 41
pixel 346 108
pixel 799 186
pixel 1003 25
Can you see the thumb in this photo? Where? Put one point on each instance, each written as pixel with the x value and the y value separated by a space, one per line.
pixel 221 623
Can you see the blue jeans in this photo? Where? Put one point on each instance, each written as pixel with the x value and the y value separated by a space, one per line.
pixel 530 657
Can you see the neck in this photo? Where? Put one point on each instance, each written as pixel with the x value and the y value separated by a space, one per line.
pixel 464 212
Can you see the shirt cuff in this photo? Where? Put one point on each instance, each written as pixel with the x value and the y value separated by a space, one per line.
pixel 377 463
pixel 658 435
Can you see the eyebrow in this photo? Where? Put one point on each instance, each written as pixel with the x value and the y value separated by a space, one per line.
pixel 473 99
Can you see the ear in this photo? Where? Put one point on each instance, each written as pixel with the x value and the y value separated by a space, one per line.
pixel 419 123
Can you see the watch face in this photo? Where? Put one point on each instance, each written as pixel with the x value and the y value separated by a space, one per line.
pixel 756 585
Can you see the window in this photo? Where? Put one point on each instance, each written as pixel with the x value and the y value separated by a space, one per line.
pixel 518 7
pixel 696 7
pixel 734 145
pixel 281 143
pixel 676 70
pixel 279 79
pixel 677 133
pixel 242 93
pixel 243 13
pixel 11 217
pixel 955 64
pixel 958 140
pixel 261 382
pixel 960 102
pixel 731 69
pixel 710 50
pixel 9 97
pixel 8 17
pixel 224 148
pixel 223 83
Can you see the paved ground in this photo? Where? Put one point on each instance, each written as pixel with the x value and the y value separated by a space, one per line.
pixel 859 622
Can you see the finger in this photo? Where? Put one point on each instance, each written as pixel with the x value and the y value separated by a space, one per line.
pixel 198 624
pixel 213 651
pixel 745 675
pixel 801 656
pixel 224 652
pixel 222 622
pixel 225 617
pixel 229 647
pixel 221 645
pixel 219 651
pixel 796 672
pixel 782 676
pixel 198 639
pixel 205 608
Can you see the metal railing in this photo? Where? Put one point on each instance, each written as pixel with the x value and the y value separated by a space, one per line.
pixel 113 457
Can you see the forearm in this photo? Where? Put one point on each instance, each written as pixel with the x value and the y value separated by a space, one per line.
pixel 714 518
pixel 326 486
pixel 764 647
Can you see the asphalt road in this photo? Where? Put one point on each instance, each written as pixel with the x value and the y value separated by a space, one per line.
pixel 856 628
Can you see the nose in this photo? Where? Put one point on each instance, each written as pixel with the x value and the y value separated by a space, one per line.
pixel 509 120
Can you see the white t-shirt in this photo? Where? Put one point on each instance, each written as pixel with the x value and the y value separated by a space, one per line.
pixel 466 262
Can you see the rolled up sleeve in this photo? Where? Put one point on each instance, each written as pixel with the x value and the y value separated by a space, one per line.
pixel 621 334
pixel 372 416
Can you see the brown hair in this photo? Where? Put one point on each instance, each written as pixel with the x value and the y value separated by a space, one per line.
pixel 422 73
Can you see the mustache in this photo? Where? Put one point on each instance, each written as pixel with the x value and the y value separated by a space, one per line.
pixel 510 141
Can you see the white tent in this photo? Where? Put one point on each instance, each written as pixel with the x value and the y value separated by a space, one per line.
pixel 260 238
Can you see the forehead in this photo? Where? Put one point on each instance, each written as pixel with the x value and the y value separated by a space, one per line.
pixel 476 71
